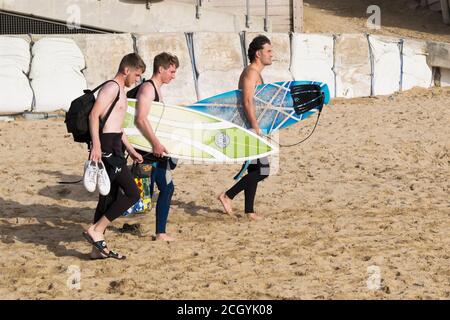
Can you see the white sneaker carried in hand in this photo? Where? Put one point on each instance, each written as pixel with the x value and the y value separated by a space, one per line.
pixel 90 175
pixel 103 182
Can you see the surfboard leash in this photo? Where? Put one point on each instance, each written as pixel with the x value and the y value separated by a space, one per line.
pixel 297 143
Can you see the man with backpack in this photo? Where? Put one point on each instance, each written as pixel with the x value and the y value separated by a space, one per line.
pixel 108 144
pixel 164 68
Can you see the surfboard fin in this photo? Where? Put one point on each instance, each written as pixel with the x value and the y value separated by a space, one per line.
pixel 307 97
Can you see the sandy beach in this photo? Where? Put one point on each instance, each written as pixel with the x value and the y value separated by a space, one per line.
pixel 361 210
pixel 369 189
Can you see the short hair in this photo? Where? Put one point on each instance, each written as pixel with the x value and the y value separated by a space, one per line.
pixel 165 60
pixel 132 60
pixel 257 44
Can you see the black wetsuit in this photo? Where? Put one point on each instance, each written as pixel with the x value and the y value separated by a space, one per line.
pixel 124 192
pixel 258 170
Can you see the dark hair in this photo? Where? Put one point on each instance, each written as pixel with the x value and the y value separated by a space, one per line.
pixel 255 45
pixel 165 60
pixel 132 60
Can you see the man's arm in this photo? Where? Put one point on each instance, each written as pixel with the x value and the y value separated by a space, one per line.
pixel 105 98
pixel 145 97
pixel 130 149
pixel 249 82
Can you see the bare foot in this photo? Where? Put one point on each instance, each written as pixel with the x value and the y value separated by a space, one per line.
pixel 226 202
pixel 254 216
pixel 164 237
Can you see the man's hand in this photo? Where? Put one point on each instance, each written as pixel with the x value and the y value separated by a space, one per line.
pixel 255 128
pixel 159 150
pixel 96 154
pixel 136 157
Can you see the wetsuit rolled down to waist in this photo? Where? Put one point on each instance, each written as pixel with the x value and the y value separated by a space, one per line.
pixel 124 192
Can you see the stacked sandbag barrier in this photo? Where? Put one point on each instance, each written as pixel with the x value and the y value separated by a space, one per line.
pixel 16 95
pixel 56 76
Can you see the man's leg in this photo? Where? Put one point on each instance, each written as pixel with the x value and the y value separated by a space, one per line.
pixel 257 173
pixel 122 202
pixel 163 180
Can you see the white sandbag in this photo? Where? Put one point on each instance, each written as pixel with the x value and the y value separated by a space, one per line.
pixel 445 77
pixel 218 61
pixel 56 76
pixel 15 91
pixel 181 90
pixel 15 52
pixel 416 72
pixel 211 83
pixel 281 48
pixel 102 53
pixel 50 54
pixel 312 58
pixel 386 64
pixel 352 66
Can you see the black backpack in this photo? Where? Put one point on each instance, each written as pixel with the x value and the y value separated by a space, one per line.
pixel 77 118
pixel 132 94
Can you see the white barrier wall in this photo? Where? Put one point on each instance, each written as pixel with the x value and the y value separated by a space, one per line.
pixel 102 53
pixel 352 66
pixel 15 95
pixel 55 74
pixel 59 62
pixel 218 61
pixel 416 72
pixel 312 58
pixel 181 91
pixel 279 69
pixel 386 64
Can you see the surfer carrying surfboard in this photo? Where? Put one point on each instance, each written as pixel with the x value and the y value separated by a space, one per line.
pixel 260 55
pixel 108 146
pixel 164 69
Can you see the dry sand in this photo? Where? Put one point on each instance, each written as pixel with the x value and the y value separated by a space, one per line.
pixel 369 188
pixel 398 19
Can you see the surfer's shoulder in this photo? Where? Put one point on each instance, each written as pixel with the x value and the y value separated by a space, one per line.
pixel 250 74
pixel 109 89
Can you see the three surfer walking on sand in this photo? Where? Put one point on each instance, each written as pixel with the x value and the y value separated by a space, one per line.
pixel 109 144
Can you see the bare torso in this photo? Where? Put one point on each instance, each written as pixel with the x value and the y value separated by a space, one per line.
pixel 115 120
pixel 245 74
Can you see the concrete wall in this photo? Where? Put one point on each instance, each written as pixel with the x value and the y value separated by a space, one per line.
pixel 352 66
pixel 129 16
pixel 218 62
pixel 312 58
pixel 279 11
pixel 279 70
pixel 438 54
pixel 215 61
pixel 181 90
